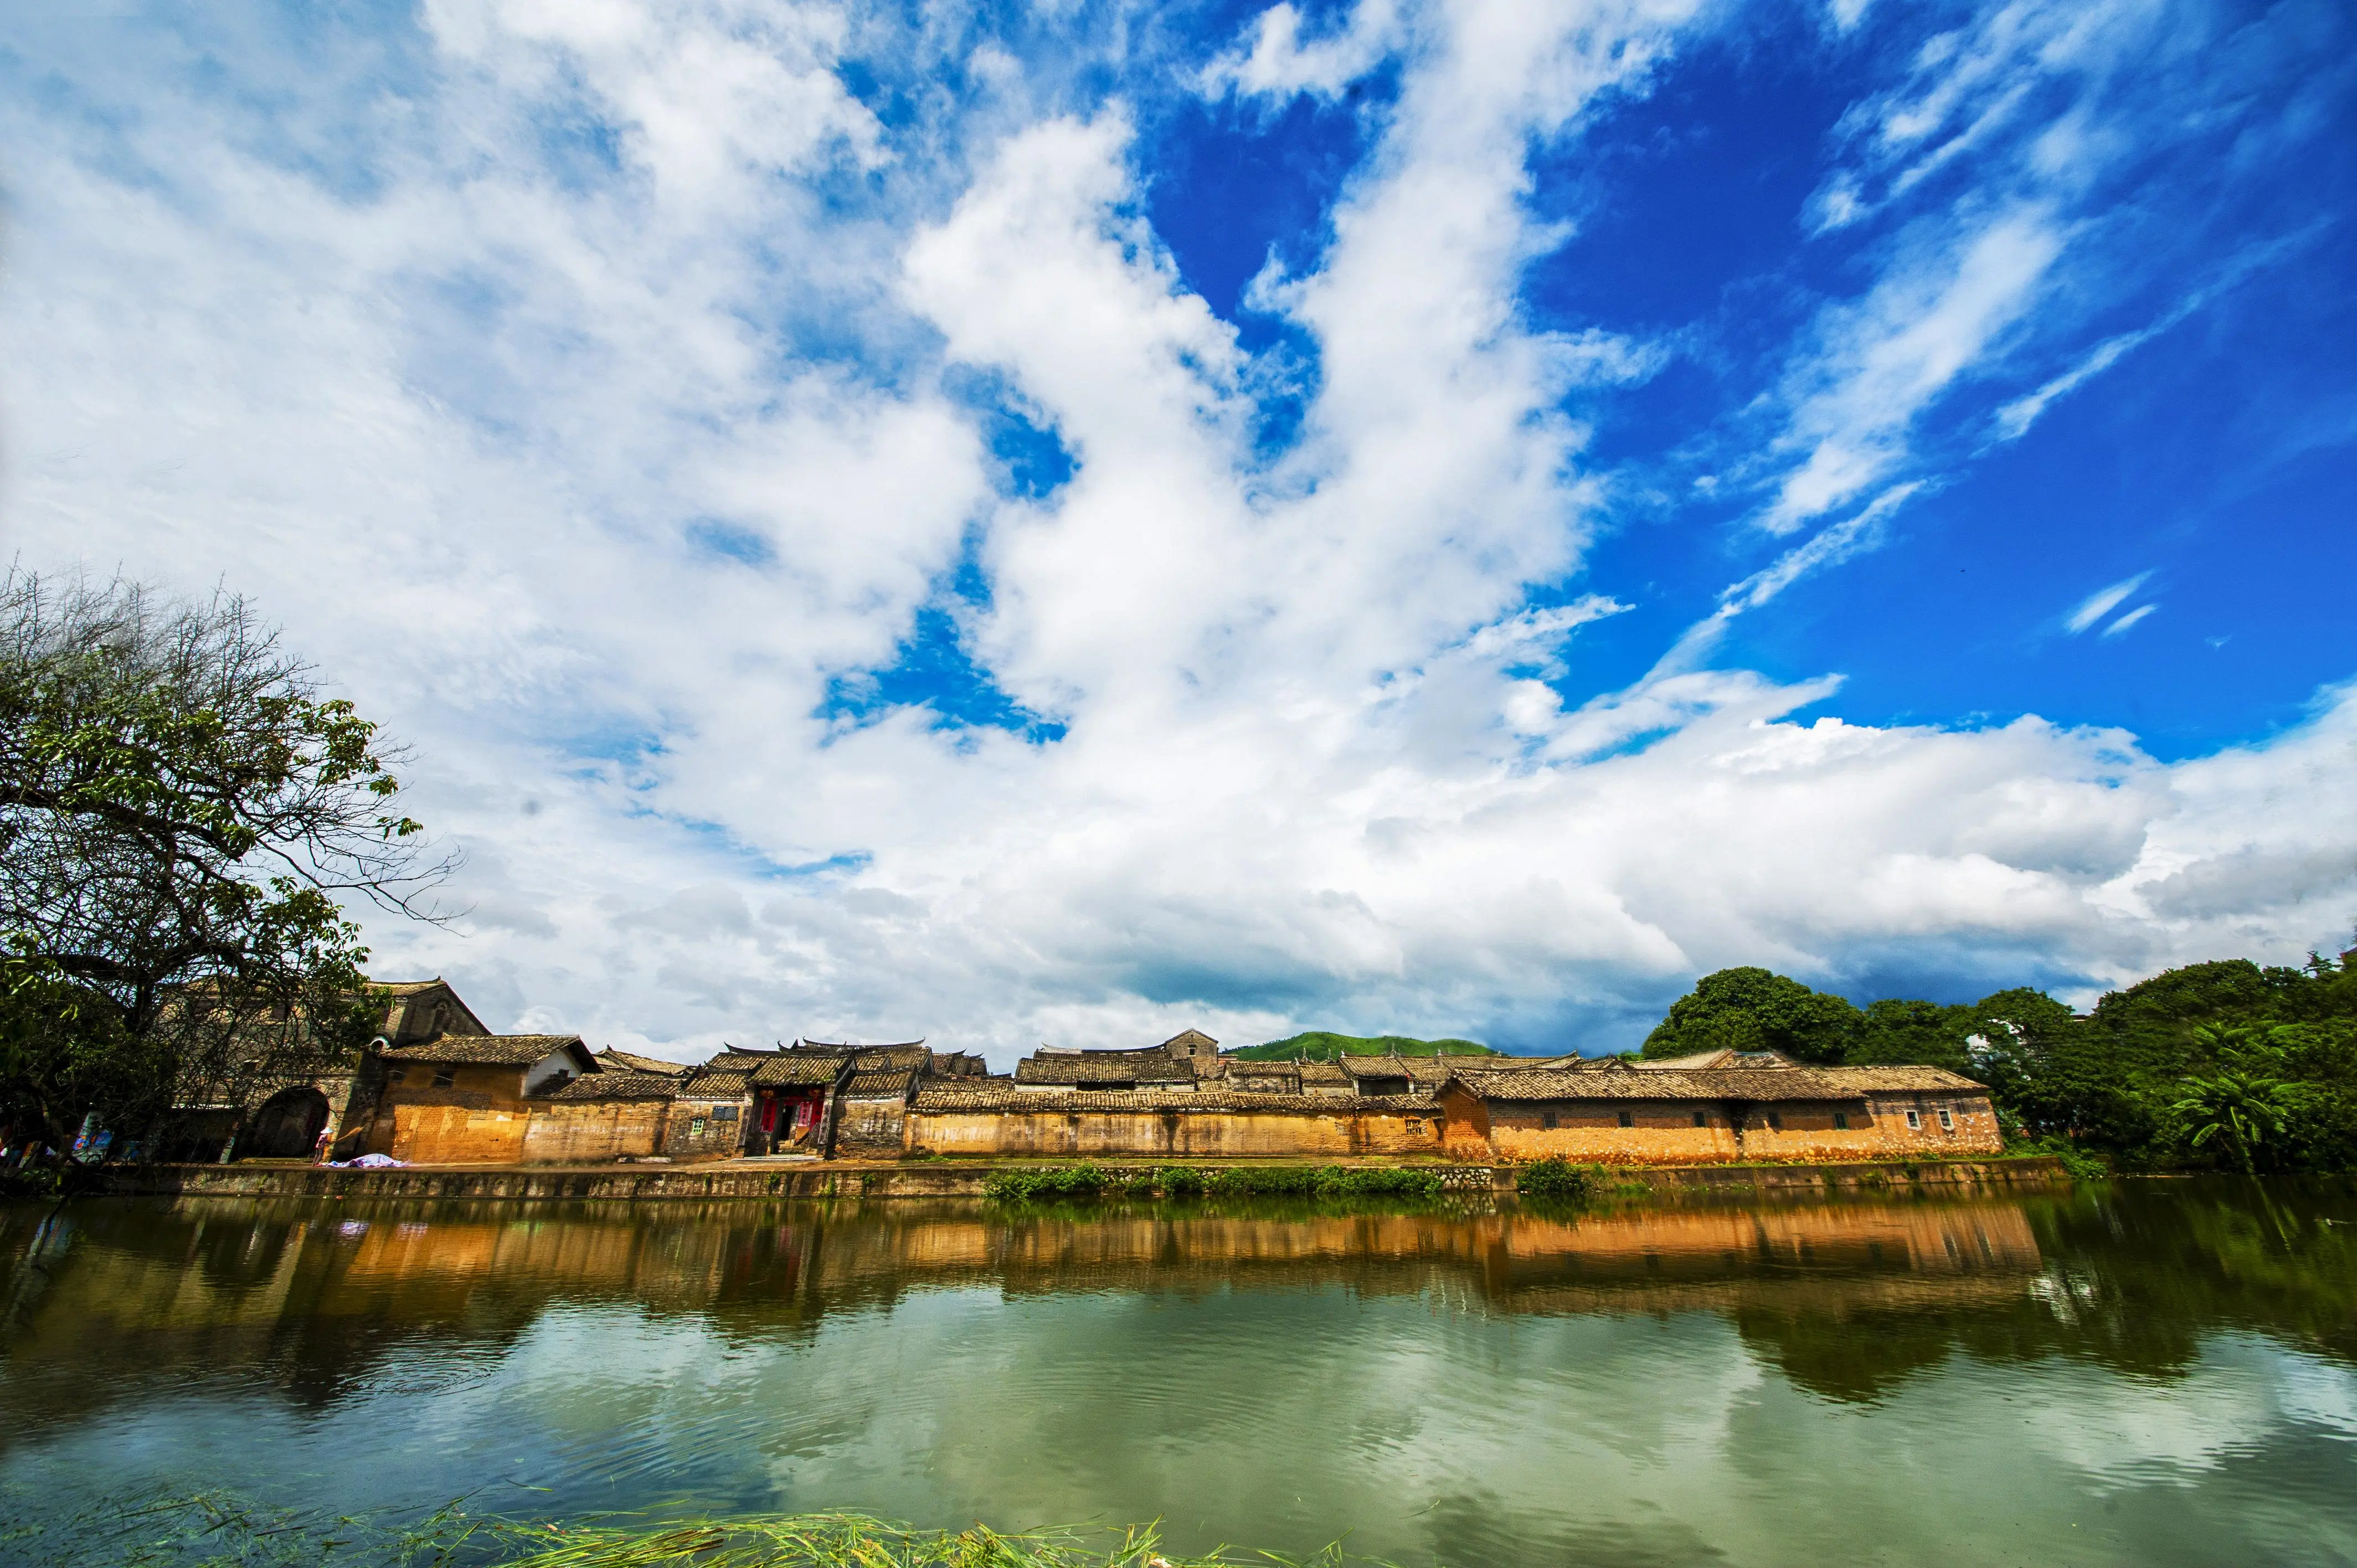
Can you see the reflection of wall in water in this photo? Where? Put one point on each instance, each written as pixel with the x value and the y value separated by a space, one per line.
pixel 327 1297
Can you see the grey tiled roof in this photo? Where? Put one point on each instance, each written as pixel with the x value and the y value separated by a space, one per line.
pixel 485 1050
pixel 796 1070
pixel 613 1060
pixel 1008 1097
pixel 1719 1083
pixel 616 1086
pixel 1155 1065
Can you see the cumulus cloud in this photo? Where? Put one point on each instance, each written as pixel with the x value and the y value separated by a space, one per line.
pixel 575 382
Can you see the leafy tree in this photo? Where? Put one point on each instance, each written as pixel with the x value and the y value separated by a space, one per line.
pixel 183 817
pixel 2057 1076
pixel 2240 1109
pixel 1756 1009
pixel 1893 1031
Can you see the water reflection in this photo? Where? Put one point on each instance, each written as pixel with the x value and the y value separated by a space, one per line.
pixel 1715 1377
pixel 1843 1296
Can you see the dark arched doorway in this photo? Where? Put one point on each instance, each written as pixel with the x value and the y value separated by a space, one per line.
pixel 289 1124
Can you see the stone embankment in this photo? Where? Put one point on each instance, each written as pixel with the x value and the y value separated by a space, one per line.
pixel 767 1180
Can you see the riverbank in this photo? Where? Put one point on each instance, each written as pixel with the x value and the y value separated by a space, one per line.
pixel 962 1178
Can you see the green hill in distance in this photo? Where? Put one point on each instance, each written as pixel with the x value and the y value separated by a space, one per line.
pixel 1318 1046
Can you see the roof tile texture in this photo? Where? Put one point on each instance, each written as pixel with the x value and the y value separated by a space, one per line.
pixel 1717 1083
pixel 484 1050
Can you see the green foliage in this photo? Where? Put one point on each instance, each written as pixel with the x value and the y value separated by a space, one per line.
pixel 1556 1180
pixel 2080 1165
pixel 1045 1184
pixel 1320 1181
pixel 2240 1109
pixel 1754 1010
pixel 183 815
pixel 1319 1046
pixel 1892 1032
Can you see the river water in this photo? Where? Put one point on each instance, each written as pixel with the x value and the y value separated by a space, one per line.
pixel 2143 1373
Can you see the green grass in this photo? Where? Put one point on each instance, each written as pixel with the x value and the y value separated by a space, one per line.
pixel 1318 1046
pixel 219 1530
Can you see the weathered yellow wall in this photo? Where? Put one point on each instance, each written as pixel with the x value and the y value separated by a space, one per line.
pixel 584 1131
pixel 455 1134
pixel 1179 1134
pixel 1665 1133
pixel 1589 1134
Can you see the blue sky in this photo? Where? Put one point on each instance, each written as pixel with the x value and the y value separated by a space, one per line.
pixel 1072 522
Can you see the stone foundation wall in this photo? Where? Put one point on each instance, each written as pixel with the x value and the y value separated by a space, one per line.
pixel 1339 1130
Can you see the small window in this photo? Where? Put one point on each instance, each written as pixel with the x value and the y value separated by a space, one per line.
pixel 1775 1123
pixel 1701 1120
pixel 395 1076
pixel 1415 1126
pixel 1841 1121
pixel 1914 1122
pixel 695 1127
pixel 724 1114
pixel 1627 1119
pixel 1947 1119
pixel 444 1077
pixel 1546 1119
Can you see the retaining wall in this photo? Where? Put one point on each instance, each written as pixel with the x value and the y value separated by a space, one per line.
pixel 965 1180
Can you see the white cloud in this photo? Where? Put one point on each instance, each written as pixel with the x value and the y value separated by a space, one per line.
pixel 2102 602
pixel 1280 64
pixel 1880 363
pixel 2129 619
pixel 463 378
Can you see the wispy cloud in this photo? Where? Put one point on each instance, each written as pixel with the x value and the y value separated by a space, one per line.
pixel 2101 602
pixel 2129 619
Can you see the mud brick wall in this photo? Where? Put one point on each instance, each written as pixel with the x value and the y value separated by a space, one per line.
pixel 872 1129
pixel 477 1118
pixel 1665 1132
pixel 589 1131
pixel 706 1130
pixel 1214 1135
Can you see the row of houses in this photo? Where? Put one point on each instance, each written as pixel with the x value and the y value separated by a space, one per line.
pixel 439 1089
